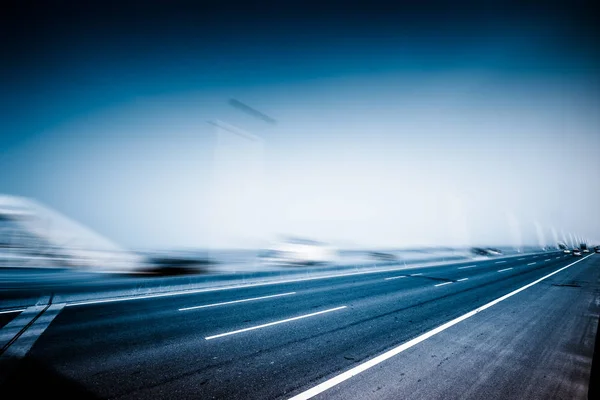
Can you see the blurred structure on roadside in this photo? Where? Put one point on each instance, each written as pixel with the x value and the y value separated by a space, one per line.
pixel 299 252
pixel 479 251
pixel 33 235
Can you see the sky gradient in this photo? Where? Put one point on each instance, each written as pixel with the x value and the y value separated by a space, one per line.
pixel 438 124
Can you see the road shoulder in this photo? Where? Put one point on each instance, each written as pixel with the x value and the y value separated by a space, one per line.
pixel 536 345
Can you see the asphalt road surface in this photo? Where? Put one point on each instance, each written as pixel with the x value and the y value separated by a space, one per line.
pixel 522 327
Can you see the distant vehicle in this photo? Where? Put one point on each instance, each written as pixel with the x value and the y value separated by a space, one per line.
pixel 564 248
pixel 175 264
pixel 577 252
pixel 299 252
pixel 597 249
pixel 485 251
pixel 584 248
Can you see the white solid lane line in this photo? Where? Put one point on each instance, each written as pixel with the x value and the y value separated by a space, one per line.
pixel 118 272
pixel 531 263
pixel 236 301
pixel 273 323
pixel 463 279
pixel 500 262
pixel 336 380
pixel 396 277
pixel 505 269
pixel 10 311
pixel 468 266
pixel 442 284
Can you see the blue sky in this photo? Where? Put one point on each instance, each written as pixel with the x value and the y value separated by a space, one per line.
pixel 442 131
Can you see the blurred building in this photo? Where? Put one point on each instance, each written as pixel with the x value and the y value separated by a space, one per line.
pixel 33 235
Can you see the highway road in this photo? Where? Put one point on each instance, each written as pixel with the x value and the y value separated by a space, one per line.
pixel 518 327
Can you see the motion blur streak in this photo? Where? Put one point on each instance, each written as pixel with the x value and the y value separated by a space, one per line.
pixel 420 126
